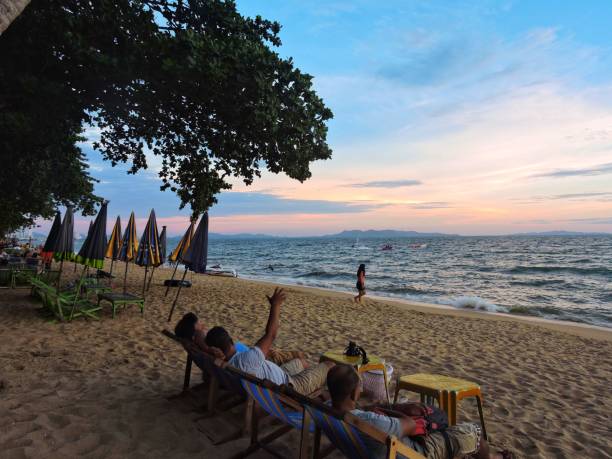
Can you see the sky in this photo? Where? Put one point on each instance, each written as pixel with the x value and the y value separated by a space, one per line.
pixel 479 117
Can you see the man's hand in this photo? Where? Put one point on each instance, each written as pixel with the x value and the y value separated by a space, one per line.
pixel 218 353
pixel 277 298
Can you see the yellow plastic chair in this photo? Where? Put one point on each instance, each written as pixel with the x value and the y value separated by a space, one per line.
pixel 446 390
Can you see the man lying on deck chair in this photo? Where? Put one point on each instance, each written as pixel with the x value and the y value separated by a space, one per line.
pixel 304 380
pixel 403 421
pixel 191 328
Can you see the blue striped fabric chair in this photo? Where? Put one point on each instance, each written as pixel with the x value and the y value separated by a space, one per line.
pixel 347 432
pixel 270 399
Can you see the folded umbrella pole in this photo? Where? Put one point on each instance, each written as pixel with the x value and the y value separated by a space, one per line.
pixel 47 251
pixel 129 247
pixel 148 248
pixel 114 245
pixel 92 251
pixel 162 254
pixel 63 248
pixel 195 257
pixel 177 254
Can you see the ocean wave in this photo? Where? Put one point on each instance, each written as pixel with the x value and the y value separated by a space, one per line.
pixel 560 269
pixel 476 303
pixel 538 282
pixel 401 290
pixel 325 275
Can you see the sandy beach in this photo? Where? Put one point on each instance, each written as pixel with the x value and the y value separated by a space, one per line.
pixel 103 389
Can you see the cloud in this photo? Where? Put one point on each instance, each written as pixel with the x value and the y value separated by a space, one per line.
pixel 599 169
pixel 431 205
pixel 593 220
pixel 254 203
pixel 386 184
pixel 604 196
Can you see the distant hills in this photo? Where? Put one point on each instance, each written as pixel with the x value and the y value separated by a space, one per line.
pixel 369 234
pixel 356 234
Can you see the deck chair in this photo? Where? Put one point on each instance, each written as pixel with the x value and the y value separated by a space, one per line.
pixel 217 379
pixel 22 276
pixel 347 433
pixel 270 399
pixel 6 278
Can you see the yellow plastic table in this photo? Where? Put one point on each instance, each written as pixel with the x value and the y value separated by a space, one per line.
pixel 374 363
pixel 446 390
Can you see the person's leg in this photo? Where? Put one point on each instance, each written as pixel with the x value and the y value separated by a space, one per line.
pixel 465 440
pixel 280 357
pixel 311 379
pixel 293 367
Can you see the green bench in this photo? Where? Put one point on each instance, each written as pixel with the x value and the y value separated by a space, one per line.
pixel 122 299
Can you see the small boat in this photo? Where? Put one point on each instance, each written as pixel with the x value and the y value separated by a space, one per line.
pixel 418 246
pixel 387 247
pixel 218 271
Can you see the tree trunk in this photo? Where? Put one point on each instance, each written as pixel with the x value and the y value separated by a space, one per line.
pixel 9 10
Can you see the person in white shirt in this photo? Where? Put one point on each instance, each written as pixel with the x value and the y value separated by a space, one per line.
pixel 303 378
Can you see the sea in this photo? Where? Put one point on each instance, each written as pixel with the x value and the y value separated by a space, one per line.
pixel 564 278
pixel 554 277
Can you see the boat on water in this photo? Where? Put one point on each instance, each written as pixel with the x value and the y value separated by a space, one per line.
pixel 418 246
pixel 218 271
pixel 387 247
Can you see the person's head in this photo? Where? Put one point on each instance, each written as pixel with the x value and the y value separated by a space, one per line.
pixel 186 327
pixel 343 384
pixel 219 337
pixel 361 269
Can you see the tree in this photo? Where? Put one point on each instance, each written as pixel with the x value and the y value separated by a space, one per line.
pixel 9 10
pixel 193 82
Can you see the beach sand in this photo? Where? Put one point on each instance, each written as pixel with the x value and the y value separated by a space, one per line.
pixel 102 389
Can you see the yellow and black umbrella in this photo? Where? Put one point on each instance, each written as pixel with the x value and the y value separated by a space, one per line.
pixel 177 254
pixel 162 254
pixel 148 248
pixel 129 247
pixel 114 244
pixel 195 257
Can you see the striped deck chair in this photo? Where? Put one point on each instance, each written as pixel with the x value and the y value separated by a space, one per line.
pixel 217 378
pixel 347 433
pixel 270 399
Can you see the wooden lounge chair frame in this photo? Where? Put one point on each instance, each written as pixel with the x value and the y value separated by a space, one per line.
pixel 349 441
pixel 217 377
pixel 269 399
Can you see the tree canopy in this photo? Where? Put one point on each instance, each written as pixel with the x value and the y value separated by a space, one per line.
pixel 193 82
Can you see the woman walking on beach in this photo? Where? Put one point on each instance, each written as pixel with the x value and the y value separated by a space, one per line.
pixel 360 283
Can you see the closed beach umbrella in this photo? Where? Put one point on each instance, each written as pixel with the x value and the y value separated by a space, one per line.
pixel 162 246
pixel 148 247
pixel 195 257
pixel 87 237
pixel 162 254
pixel 47 251
pixel 94 248
pixel 183 245
pixel 177 254
pixel 63 248
pixel 114 244
pixel 129 246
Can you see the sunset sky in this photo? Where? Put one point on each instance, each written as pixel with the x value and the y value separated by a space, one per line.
pixel 464 117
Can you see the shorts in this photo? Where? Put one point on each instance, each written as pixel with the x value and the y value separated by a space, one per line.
pixel 464 440
pixel 280 357
pixel 306 381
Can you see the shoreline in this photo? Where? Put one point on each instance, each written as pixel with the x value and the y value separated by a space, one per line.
pixel 575 328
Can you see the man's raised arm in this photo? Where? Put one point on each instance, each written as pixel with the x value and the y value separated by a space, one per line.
pixel 276 301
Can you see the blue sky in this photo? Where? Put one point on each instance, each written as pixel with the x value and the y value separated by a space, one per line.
pixel 472 117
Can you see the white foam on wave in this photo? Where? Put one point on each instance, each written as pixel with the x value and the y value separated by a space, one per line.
pixel 476 303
